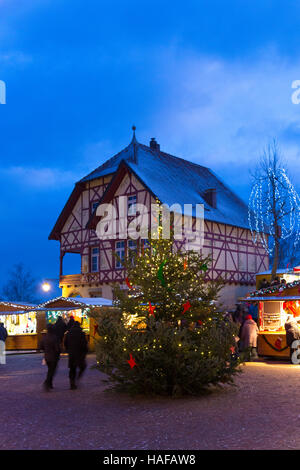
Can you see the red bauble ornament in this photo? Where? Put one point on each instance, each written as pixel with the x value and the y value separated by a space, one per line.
pixel 131 362
pixel 128 283
pixel 186 307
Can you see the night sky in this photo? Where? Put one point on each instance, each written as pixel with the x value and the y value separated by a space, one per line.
pixel 211 80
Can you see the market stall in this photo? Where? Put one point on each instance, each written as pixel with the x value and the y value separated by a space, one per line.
pixel 80 309
pixel 288 274
pixel 275 305
pixel 24 323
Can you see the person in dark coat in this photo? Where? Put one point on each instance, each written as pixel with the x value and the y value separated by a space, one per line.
pixel 60 328
pixel 76 346
pixel 3 336
pixel 292 334
pixel 227 317
pixel 51 347
pixel 275 281
pixel 3 332
pixel 264 284
pixel 238 314
pixel 70 323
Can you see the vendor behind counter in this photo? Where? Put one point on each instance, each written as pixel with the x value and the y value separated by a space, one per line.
pixel 274 312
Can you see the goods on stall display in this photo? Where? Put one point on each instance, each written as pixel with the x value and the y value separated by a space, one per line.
pixel 78 314
pixel 19 324
pixel 272 316
pixel 271 321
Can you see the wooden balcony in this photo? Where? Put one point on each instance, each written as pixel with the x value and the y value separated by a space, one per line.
pixel 79 279
pixel 70 280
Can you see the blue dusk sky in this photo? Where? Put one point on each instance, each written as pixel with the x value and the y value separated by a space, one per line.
pixel 211 80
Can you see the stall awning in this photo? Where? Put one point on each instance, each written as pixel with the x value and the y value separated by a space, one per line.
pixel 75 302
pixel 16 307
pixel 274 298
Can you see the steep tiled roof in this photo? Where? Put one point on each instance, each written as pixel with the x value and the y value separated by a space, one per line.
pixel 175 180
pixel 171 179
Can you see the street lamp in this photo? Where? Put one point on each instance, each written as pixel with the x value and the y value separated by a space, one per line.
pixel 47 284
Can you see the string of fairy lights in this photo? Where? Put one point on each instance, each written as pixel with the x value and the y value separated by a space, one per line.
pixel 277 289
pixel 278 194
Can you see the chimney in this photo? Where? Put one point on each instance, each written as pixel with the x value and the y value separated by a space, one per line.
pixel 210 197
pixel 154 145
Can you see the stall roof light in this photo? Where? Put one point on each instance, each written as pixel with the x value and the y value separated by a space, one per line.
pixel 275 298
pixel 77 302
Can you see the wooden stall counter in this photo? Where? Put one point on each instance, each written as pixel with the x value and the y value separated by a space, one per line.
pixel 21 342
pixel 272 343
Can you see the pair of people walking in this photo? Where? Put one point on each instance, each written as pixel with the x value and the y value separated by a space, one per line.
pixel 76 346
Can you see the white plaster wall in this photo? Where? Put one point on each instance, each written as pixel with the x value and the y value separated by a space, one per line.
pixel 230 294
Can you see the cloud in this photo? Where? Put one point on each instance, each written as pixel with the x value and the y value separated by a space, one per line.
pixel 39 178
pixel 221 113
pixel 14 57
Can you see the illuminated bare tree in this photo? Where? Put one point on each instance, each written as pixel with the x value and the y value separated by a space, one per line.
pixel 273 205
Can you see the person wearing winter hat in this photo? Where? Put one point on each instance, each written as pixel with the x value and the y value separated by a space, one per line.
pixel 248 336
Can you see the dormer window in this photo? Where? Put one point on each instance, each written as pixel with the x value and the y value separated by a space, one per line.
pixel 131 205
pixel 210 196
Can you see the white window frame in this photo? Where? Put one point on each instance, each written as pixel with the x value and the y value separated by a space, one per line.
pixel 95 256
pixel 120 251
pixel 132 246
pixel 131 205
pixel 144 245
pixel 94 204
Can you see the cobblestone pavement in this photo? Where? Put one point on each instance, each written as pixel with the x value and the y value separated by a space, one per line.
pixel 263 412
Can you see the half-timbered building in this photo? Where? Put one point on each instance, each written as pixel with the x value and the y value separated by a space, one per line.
pixel 145 174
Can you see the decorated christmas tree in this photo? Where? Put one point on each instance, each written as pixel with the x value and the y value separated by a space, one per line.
pixel 168 337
